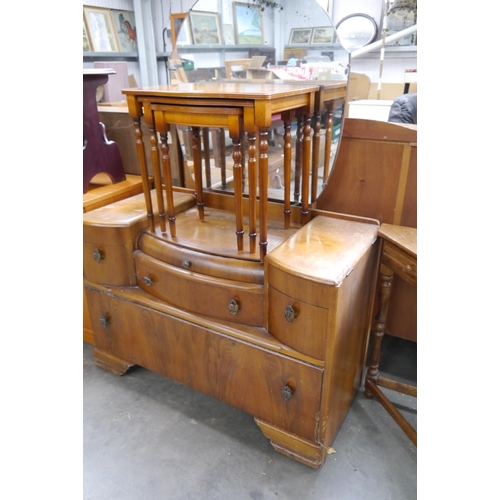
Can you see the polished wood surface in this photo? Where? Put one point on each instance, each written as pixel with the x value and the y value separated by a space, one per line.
pixel 375 175
pixel 279 331
pixel 102 192
pixel 399 255
pixel 126 212
pixel 239 107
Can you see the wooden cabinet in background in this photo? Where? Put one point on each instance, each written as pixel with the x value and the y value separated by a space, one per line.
pixel 375 175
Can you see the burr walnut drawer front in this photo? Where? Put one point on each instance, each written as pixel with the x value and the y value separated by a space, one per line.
pixel 403 264
pixel 108 264
pixel 297 324
pixel 201 263
pixel 280 390
pixel 214 297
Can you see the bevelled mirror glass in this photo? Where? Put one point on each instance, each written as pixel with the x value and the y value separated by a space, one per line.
pixel 356 31
pixel 279 42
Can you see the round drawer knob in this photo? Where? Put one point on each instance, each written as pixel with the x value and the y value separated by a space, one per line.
pixel 186 264
pixel 98 255
pixel 104 320
pixel 290 313
pixel 233 307
pixel 408 267
pixel 287 393
pixel 147 281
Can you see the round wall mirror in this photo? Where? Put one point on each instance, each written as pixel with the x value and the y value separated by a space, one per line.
pixel 356 31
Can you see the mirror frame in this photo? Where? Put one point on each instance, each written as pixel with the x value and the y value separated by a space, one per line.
pixel 357 15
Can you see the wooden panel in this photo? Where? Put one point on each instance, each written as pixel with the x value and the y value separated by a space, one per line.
pixel 210 362
pixel 306 332
pixel 401 262
pixel 349 325
pixel 375 175
pixel 101 192
pixel 114 268
pixel 190 291
pixel 199 262
pixel 301 289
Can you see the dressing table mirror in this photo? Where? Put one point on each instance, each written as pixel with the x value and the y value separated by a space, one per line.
pixel 259 41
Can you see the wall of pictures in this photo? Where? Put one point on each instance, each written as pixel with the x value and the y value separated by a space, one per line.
pixel 223 21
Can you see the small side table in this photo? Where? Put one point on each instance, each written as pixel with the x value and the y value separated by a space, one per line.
pixel 399 255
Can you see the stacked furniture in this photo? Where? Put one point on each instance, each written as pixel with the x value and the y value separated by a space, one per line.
pixel 263 304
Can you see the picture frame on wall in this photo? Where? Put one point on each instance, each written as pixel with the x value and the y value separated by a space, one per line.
pixel 248 24
pixel 300 36
pixel 205 28
pixel 100 29
pixel 228 34
pixel 323 35
pixel 124 23
pixel 181 33
pixel 86 39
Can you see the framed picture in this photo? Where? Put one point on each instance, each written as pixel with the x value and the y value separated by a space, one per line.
pixel 124 23
pixel 86 41
pixel 323 35
pixel 228 34
pixel 248 24
pixel 180 36
pixel 100 29
pixel 205 28
pixel 300 35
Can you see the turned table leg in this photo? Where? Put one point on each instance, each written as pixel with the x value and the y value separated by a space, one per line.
pixel 386 277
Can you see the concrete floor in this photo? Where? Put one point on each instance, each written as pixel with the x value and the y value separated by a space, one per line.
pixel 149 438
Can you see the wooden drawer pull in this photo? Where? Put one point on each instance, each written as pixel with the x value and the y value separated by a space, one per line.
pixel 98 255
pixel 147 281
pixel 233 307
pixel 290 313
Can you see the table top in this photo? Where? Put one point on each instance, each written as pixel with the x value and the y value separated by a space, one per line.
pixel 401 236
pixel 321 84
pixel 224 90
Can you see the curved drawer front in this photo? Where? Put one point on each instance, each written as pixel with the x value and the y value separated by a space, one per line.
pixel 217 298
pixel 297 324
pixel 108 264
pixel 202 263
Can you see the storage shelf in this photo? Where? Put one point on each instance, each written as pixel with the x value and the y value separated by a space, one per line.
pixel 227 48
pixel 115 56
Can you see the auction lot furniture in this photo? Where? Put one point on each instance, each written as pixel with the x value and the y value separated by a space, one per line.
pixel 399 255
pixel 277 329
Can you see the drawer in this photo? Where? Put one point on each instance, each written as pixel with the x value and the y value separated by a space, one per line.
pixel 282 391
pixel 297 324
pixel 214 297
pixel 402 263
pixel 202 263
pixel 108 264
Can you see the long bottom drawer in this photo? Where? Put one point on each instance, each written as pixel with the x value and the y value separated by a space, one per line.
pixel 272 387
